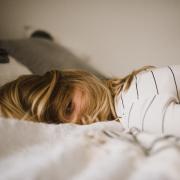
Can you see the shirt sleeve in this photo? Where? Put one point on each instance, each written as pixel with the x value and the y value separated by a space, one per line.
pixel 152 102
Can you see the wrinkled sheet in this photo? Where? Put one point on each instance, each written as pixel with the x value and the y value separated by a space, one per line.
pixel 101 151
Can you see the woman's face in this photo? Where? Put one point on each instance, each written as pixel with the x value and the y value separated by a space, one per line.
pixel 76 106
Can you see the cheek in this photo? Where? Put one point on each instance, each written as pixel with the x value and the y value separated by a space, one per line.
pixel 79 107
pixel 81 104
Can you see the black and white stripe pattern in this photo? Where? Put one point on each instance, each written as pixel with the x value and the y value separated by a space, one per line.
pixel 163 120
pixel 137 91
pixel 152 101
pixel 155 82
pixel 175 83
pixel 122 101
pixel 129 115
pixel 148 107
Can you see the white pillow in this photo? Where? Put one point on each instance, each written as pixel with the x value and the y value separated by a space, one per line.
pixel 10 71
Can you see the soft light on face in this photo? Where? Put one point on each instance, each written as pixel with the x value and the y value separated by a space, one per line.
pixel 82 98
pixel 74 110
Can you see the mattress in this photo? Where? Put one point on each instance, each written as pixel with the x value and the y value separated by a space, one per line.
pixel 98 151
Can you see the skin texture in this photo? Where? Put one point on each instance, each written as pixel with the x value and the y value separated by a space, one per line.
pixel 69 96
pixel 76 106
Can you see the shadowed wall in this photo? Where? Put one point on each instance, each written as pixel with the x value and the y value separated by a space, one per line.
pixel 116 36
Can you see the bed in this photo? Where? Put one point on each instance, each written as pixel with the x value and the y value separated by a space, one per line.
pixel 100 151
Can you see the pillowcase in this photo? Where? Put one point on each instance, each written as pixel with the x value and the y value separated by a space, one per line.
pixel 12 70
pixel 41 55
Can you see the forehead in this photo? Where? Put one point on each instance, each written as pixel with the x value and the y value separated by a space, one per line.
pixel 81 96
pixel 79 92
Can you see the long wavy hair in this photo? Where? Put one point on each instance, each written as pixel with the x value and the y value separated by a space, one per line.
pixel 45 98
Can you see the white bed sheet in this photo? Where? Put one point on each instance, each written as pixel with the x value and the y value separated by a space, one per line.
pixel 101 151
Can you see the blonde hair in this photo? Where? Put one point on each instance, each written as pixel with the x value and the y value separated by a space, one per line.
pixel 44 98
pixel 116 85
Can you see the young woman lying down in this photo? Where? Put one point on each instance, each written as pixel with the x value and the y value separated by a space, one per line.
pixel 147 99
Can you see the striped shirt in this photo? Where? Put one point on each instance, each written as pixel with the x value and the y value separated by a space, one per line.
pixel 152 103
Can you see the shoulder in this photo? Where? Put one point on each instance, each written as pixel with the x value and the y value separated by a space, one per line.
pixel 148 83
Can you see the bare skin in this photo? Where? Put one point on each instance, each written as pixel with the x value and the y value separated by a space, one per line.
pixel 76 106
